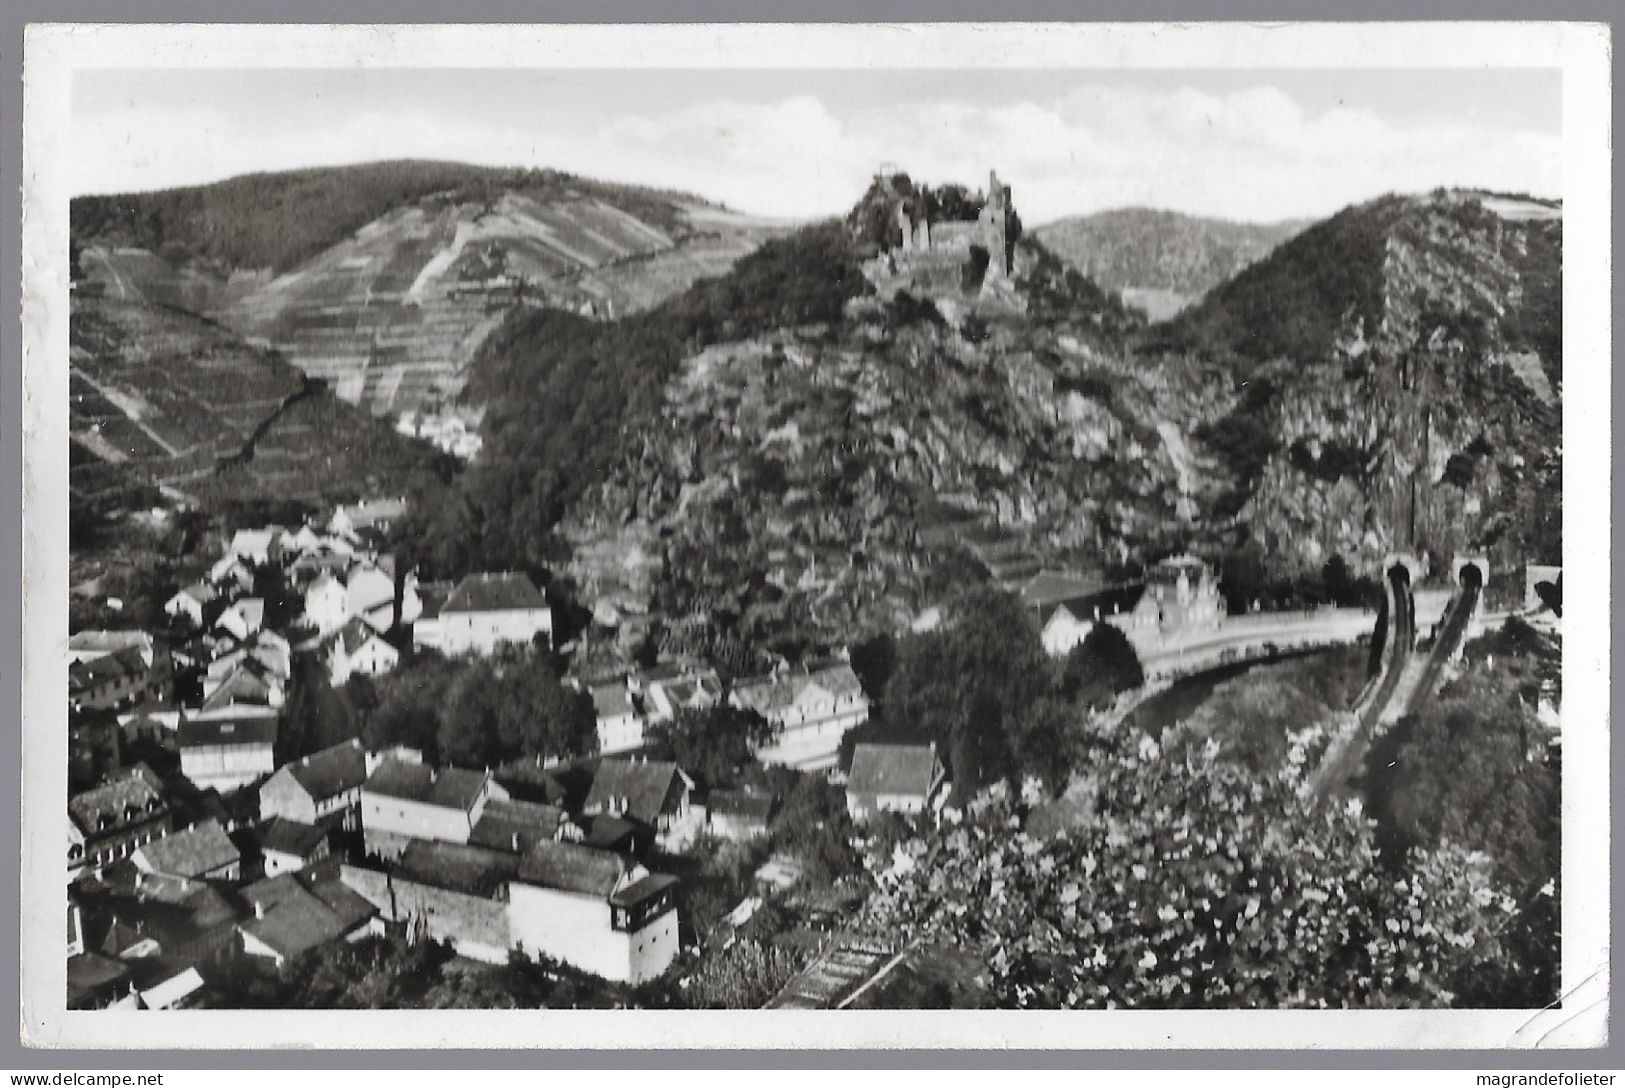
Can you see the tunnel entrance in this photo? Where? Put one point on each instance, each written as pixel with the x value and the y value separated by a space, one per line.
pixel 1471 576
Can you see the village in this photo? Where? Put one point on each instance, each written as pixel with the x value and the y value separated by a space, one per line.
pixel 234 846
pixel 205 835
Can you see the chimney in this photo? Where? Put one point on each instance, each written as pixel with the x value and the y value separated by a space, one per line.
pixel 516 842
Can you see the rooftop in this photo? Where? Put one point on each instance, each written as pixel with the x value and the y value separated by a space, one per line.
pixel 572 868
pixel 636 788
pixel 515 826
pixel 291 837
pixel 770 693
pixel 750 804
pixel 129 795
pixel 893 768
pixel 195 852
pixel 494 593
pixel 296 912
pixel 230 725
pixel 450 787
pixel 331 771
pixel 473 870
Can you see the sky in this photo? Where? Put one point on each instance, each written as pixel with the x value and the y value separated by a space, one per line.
pixel 1245 144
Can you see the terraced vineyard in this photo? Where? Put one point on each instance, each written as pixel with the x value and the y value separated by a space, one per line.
pixel 161 397
pixel 390 315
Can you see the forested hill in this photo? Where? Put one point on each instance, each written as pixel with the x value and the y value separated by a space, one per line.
pixel 1161 260
pixel 1396 378
pixel 277 221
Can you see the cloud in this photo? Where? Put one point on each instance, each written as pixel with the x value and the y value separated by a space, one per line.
pixel 1253 153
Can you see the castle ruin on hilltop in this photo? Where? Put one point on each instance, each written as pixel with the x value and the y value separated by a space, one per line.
pixel 951 254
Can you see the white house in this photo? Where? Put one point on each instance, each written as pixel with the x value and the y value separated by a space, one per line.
pixel 324 603
pixel 192 603
pixel 260 547
pixel 402 801
pixel 486 610
pixel 232 573
pixel 243 618
pixel 594 910
pixel 620 727
pixel 1067 624
pixel 813 708
pixel 358 648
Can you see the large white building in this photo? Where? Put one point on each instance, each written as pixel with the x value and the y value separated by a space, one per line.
pixel 813 709
pixel 484 611
pixel 228 747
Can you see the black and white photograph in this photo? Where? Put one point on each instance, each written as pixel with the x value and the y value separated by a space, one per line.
pixel 982 523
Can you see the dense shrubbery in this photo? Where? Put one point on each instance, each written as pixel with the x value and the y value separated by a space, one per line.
pixel 478 712
pixel 1196 883
pixel 713 744
pixel 1100 668
pixel 742 976
pixel 983 688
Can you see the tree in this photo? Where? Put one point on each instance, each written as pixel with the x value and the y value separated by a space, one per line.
pixel 712 743
pixel 1101 667
pixel 1197 883
pixel 970 684
pixel 744 975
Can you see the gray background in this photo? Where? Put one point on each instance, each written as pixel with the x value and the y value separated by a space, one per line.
pixel 15 14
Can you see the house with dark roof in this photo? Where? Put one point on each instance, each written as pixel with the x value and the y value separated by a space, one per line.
pixel 902 778
pixel 322 788
pixel 813 706
pixel 652 793
pixel 484 611
pixel 402 802
pixel 286 846
pixel 203 852
pixel 739 815
pixel 516 826
pixel 119 678
pixel 96 981
pixel 112 820
pixel 595 910
pixel 128 912
pixel 229 746
pixel 293 913
pixel 89 645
